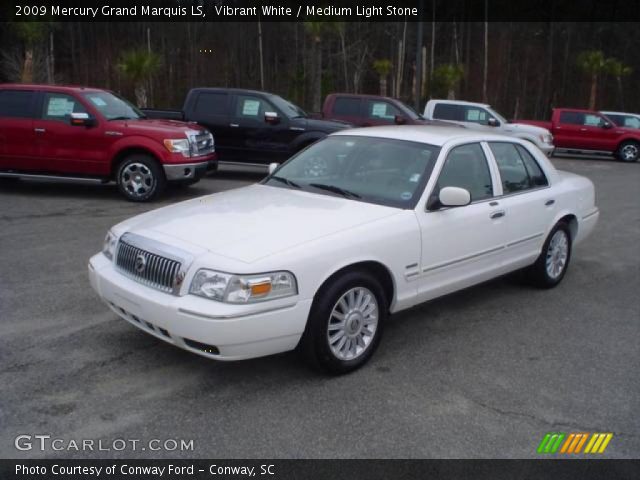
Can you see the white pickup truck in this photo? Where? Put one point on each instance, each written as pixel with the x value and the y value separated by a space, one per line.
pixel 480 116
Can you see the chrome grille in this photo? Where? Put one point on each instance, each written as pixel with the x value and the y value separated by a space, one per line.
pixel 148 268
pixel 202 144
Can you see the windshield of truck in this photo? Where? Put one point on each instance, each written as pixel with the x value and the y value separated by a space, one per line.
pixel 289 109
pixel 367 169
pixel 113 107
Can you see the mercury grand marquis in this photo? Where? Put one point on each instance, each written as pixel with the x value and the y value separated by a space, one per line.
pixel 358 226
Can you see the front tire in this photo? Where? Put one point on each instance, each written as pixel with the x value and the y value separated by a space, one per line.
pixel 345 323
pixel 553 262
pixel 628 151
pixel 140 178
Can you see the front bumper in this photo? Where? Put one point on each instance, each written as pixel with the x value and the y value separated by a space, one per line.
pixel 547 150
pixel 190 171
pixel 208 328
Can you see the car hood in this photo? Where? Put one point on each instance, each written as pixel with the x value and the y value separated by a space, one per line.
pixel 327 126
pixel 175 128
pixel 253 222
pixel 521 127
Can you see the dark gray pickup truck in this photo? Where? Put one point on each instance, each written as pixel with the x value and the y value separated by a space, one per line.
pixel 250 128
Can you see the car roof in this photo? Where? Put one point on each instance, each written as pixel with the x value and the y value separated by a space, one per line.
pixel 459 102
pixel 609 112
pixel 42 86
pixel 429 134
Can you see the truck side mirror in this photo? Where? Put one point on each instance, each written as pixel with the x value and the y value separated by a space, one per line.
pixel 399 120
pixel 273 167
pixel 271 118
pixel 492 122
pixel 81 120
pixel 606 125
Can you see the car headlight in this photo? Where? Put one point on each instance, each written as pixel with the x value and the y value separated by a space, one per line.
pixel 109 245
pixel 181 145
pixel 547 138
pixel 229 288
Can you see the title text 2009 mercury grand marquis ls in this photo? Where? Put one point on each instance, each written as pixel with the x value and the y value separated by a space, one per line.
pixel 362 224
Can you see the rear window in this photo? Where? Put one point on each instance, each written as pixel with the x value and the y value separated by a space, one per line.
pixel 445 111
pixel 16 103
pixel 210 103
pixel 347 106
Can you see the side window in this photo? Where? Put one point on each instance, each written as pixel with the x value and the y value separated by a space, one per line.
pixel 15 103
pixel 467 167
pixel 382 111
pixel 593 120
pixel 572 118
pixel 476 115
pixel 538 179
pixel 447 111
pixel 347 106
pixel 250 107
pixel 210 103
pixel 58 106
pixel 513 173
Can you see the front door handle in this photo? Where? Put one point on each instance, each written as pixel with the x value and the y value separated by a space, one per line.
pixel 234 125
pixel 498 214
pixel 549 202
pixel 39 130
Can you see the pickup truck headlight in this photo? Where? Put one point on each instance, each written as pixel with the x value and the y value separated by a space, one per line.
pixel 181 145
pixel 228 288
pixel 547 138
pixel 109 246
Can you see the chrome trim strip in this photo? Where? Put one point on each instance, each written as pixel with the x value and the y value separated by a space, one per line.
pixel 52 177
pixel 526 239
pixel 463 259
pixel 227 317
pixel 413 265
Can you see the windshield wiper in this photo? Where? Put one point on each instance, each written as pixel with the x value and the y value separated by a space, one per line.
pixel 286 181
pixel 334 189
pixel 123 118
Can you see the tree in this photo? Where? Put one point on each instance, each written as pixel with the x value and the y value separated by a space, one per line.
pixel 449 76
pixel 382 68
pixel 31 34
pixel 593 63
pixel 618 69
pixel 315 30
pixel 139 66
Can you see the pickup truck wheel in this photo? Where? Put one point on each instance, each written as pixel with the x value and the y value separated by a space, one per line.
pixel 140 178
pixel 552 264
pixel 628 151
pixel 345 323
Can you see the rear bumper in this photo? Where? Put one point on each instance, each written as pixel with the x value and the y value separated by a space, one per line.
pixel 586 225
pixel 208 328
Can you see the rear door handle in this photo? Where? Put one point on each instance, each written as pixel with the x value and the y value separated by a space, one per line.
pixel 549 202
pixel 498 214
pixel 234 125
pixel 39 130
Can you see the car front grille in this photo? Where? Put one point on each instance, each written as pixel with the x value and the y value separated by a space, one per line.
pixel 151 269
pixel 202 144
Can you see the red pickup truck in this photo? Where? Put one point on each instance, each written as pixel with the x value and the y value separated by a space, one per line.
pixel 589 132
pixel 372 110
pixel 90 134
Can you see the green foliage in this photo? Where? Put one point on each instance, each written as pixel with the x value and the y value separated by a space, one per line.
pixel 139 65
pixel 592 62
pixel 616 68
pixel 382 66
pixel 447 77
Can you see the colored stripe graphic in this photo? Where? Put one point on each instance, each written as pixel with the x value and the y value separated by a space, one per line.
pixel 573 443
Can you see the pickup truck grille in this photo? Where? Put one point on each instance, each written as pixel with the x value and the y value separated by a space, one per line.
pixel 202 144
pixel 148 268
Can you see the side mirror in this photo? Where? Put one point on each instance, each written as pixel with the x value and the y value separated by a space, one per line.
pixel 271 118
pixel 493 122
pixel 273 167
pixel 81 120
pixel 454 197
pixel 399 120
pixel 606 125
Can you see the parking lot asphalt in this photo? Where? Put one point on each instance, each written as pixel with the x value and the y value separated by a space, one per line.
pixel 486 372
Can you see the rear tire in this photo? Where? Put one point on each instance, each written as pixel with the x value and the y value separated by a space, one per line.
pixel 345 323
pixel 628 151
pixel 553 262
pixel 140 178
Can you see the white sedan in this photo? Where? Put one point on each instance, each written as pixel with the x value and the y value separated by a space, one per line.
pixel 362 224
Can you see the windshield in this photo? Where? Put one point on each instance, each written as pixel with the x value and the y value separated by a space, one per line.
pixel 288 108
pixel 412 113
pixel 369 169
pixel 113 107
